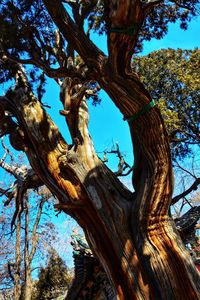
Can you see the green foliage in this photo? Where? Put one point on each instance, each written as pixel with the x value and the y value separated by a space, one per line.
pixel 26 23
pixel 172 78
pixel 53 280
pixel 26 29
pixel 156 22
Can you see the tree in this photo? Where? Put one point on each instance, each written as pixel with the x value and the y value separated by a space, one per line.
pixel 132 234
pixel 53 280
pixel 176 91
pixel 6 250
pixel 21 227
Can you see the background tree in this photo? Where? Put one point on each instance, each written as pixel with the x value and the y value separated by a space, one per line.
pixel 131 233
pixel 174 84
pixel 6 250
pixel 26 231
pixel 54 279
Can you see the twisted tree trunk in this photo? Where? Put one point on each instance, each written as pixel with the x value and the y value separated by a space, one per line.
pixel 131 233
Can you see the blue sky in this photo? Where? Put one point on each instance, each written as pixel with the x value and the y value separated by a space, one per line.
pixel 106 124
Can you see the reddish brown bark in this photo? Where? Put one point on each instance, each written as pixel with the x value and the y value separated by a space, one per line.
pixel 131 233
pixel 120 227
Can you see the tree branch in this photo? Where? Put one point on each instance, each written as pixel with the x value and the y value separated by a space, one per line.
pixel 10 266
pixel 122 165
pixel 50 72
pixel 189 219
pixel 25 179
pixel 126 19
pixel 4 192
pixel 180 4
pixel 9 169
pixel 147 4
pixel 34 232
pixel 193 187
pixel 74 35
pixel 185 170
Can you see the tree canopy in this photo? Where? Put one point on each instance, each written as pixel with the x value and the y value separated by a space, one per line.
pixel 53 280
pixel 174 85
pixel 34 40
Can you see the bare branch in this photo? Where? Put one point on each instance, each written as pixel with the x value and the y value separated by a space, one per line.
pixel 4 192
pixel 193 187
pixel 122 165
pixel 74 35
pixel 7 167
pixel 10 271
pixel 25 179
pixel 17 172
pixel 50 72
pixel 180 4
pixel 34 232
pixel 128 172
pixel 18 206
pixel 185 170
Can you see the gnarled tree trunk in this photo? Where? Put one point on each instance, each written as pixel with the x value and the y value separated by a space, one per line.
pixel 131 233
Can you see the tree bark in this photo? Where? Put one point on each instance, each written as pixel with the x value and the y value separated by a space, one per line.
pixel 17 283
pixel 156 240
pixel 27 287
pixel 131 233
pixel 30 248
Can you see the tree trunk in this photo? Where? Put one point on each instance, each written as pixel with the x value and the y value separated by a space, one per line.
pixel 131 233
pixel 27 287
pixel 157 243
pixel 17 283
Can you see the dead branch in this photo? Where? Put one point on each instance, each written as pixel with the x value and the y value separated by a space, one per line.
pixel 122 165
